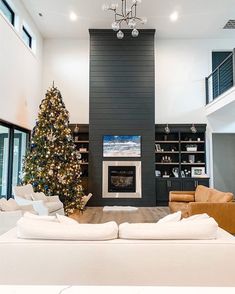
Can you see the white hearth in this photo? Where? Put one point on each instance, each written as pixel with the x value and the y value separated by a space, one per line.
pixel 121 179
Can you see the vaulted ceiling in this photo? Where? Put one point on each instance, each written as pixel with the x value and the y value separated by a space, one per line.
pixel 197 18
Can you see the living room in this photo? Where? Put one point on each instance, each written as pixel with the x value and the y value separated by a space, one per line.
pixel 141 95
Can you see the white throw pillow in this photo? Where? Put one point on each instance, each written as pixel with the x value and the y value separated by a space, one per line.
pixel 8 205
pixel 32 216
pixel 204 229
pixel 33 229
pixel 174 217
pixel 195 217
pixel 66 220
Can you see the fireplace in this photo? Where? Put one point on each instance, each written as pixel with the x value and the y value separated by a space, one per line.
pixel 121 179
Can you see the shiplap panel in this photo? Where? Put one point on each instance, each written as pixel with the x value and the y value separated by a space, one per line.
pixel 122 90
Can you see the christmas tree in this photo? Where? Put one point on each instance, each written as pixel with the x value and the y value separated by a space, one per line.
pixel 51 164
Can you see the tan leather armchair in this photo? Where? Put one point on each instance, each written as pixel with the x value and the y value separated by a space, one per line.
pixel 217 204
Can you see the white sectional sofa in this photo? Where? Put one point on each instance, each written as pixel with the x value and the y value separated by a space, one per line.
pixel 118 261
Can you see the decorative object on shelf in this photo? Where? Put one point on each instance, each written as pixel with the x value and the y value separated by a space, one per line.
pixel 198 139
pixel 166 159
pixel 158 147
pixel 191 148
pixel 75 133
pixel 127 15
pixel 198 172
pixel 165 175
pixel 82 149
pixel 157 173
pixel 193 129
pixel 175 172
pixel 167 129
pixel 182 174
pixel 191 158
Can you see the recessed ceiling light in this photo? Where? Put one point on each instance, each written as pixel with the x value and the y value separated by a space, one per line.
pixel 174 16
pixel 73 16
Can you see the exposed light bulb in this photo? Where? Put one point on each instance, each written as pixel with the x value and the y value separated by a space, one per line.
pixel 132 24
pixel 73 16
pixel 174 16
pixel 135 33
pixel 120 35
pixel 115 26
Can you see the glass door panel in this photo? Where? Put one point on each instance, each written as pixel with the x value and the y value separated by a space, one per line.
pixel 19 150
pixel 4 160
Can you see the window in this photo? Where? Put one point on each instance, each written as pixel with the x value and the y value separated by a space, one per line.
pixel 7 11
pixel 27 37
pixel 13 143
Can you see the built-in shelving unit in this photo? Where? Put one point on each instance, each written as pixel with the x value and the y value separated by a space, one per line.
pixel 81 140
pixel 176 155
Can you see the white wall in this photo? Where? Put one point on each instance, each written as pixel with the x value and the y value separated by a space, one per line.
pixel 181 68
pixel 20 72
pixel 67 63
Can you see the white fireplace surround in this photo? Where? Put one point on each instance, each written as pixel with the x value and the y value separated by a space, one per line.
pixel 107 194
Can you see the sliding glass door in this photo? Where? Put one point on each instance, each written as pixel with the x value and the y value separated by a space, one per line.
pixel 13 144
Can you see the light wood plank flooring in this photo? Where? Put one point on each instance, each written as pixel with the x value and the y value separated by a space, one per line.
pixel 96 215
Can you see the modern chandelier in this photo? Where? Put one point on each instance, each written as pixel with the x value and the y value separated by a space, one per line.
pixel 127 15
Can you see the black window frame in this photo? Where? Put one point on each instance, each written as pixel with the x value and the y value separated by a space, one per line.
pixel 29 37
pixel 8 7
pixel 12 128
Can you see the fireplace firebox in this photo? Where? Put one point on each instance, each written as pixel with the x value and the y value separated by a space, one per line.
pixel 121 179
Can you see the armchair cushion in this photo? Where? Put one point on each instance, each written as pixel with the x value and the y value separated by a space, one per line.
pixel 181 197
pixel 8 205
pixel 204 194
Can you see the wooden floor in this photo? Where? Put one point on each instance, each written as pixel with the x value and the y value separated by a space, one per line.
pixel 96 215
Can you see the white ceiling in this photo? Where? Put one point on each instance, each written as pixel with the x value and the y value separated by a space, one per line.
pixel 197 18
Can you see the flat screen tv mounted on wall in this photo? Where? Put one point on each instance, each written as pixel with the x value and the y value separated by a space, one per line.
pixel 121 146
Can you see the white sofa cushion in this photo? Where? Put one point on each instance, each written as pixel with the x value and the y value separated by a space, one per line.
pixel 32 216
pixel 53 206
pixel 173 217
pixel 8 205
pixel 34 229
pixel 204 229
pixel 65 220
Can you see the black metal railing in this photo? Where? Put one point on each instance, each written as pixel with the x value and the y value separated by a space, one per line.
pixel 221 79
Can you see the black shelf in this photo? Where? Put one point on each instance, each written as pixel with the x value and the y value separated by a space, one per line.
pixel 82 141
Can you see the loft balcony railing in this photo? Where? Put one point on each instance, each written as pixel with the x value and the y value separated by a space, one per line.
pixel 221 79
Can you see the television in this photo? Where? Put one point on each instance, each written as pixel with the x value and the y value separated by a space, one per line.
pixel 121 146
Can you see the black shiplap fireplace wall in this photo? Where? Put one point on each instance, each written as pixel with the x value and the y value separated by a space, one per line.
pixel 122 102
